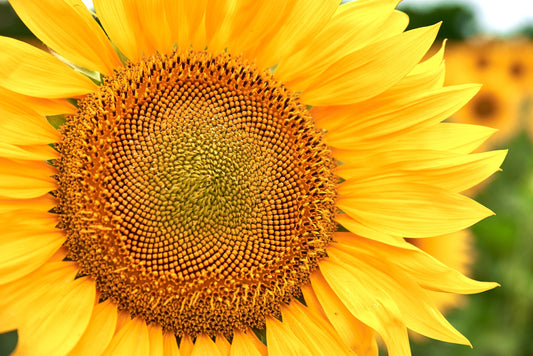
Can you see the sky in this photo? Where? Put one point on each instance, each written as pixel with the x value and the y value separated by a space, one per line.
pixel 496 16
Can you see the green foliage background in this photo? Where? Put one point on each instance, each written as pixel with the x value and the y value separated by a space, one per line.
pixel 497 322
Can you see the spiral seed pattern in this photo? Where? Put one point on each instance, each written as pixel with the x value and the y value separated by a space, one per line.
pixel 196 191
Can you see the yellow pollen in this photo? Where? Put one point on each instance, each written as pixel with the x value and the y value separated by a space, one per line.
pixel 196 191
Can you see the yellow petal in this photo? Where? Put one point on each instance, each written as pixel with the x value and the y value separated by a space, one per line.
pixel 302 20
pixel 100 331
pixel 317 335
pixel 18 296
pixel 155 24
pixel 155 333
pixel 186 345
pixel 170 345
pixel 120 19
pixel 219 18
pixel 243 345
pixel 357 228
pixel 451 171
pixel 223 345
pixel 254 21
pixel 425 269
pixel 123 318
pixel 364 298
pixel 417 309
pixel 396 206
pixel 59 321
pixel 312 302
pixel 30 179
pixel 371 70
pixel 259 345
pixel 68 28
pixel 281 340
pixel 20 125
pixel 131 340
pixel 427 76
pixel 30 71
pixel 40 105
pixel 375 126
pixel 359 337
pixel 352 26
pixel 39 205
pixel 36 152
pixel 186 24
pixel 23 250
pixel 452 137
pixel 204 346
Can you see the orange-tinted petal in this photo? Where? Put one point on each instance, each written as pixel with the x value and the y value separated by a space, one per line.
pixel 223 345
pixel 170 345
pixel 35 152
pixel 100 331
pixel 39 204
pixel 281 340
pixel 186 345
pixel 204 346
pixel 121 22
pixel 244 343
pixel 131 340
pixel 302 20
pixel 25 179
pixel 40 105
pixel 155 333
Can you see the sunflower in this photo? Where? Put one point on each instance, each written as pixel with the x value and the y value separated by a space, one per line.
pixel 229 177
pixel 519 67
pixel 497 106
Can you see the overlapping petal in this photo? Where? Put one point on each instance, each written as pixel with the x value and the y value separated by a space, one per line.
pixel 121 22
pixel 99 332
pixel 68 28
pixel 370 70
pixel 30 71
pixel 49 308
pixel 132 339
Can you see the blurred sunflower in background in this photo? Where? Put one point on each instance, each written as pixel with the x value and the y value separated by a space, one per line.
pixel 503 68
pixel 229 177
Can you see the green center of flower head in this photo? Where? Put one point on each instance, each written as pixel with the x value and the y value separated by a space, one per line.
pixel 196 191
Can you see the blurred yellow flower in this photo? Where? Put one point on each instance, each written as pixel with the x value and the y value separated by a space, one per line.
pixel 193 200
pixel 503 72
pixel 496 107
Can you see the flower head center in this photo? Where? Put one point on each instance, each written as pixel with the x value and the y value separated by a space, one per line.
pixel 196 191
pixel 485 106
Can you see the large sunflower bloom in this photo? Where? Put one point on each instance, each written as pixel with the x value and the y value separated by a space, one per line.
pixel 193 198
